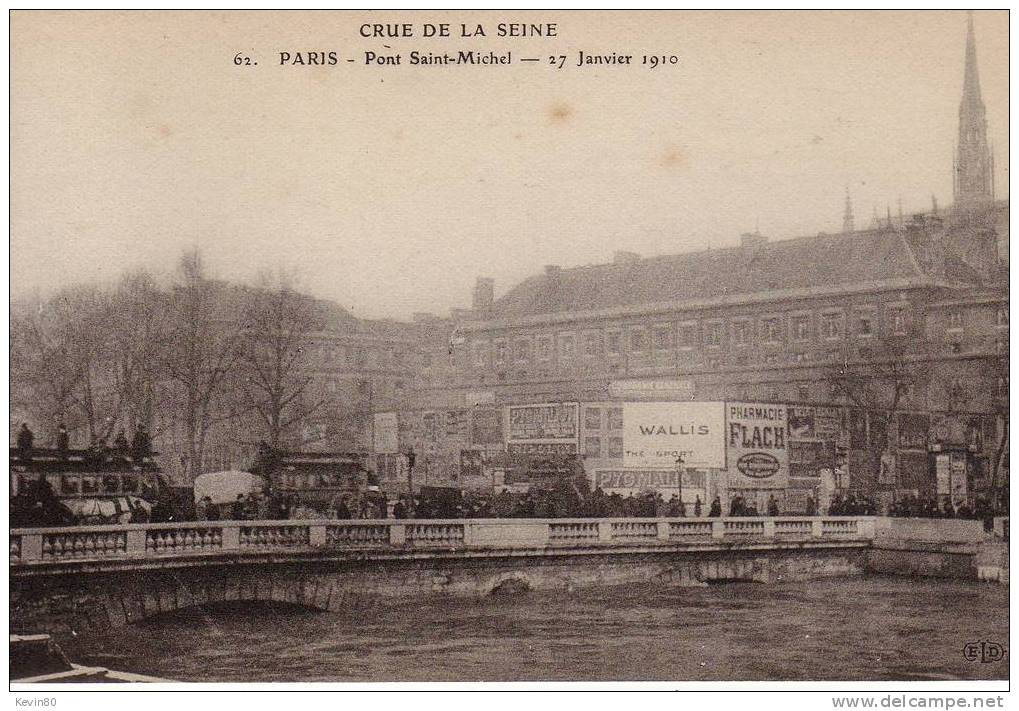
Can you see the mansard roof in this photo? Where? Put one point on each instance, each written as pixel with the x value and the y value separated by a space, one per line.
pixel 822 262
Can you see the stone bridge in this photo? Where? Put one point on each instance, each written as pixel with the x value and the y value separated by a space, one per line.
pixel 93 578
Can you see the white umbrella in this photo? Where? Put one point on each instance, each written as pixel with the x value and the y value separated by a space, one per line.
pixel 223 487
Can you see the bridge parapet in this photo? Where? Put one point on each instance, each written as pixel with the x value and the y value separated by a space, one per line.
pixel 30 547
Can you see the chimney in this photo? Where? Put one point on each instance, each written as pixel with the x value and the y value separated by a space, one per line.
pixel 483 295
pixel 622 257
pixel 752 239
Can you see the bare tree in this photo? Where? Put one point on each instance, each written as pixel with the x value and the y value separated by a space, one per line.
pixel 998 374
pixel 204 335
pixel 59 350
pixel 277 324
pixel 877 377
pixel 137 347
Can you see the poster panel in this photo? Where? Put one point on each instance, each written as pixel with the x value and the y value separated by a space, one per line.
pixel 828 423
pixel 913 431
pixel 655 434
pixel 757 445
pixel 387 438
pixel 548 423
pixel 666 482
pixel 801 423
pixel 486 427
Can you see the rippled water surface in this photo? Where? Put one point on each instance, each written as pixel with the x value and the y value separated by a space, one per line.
pixel 850 628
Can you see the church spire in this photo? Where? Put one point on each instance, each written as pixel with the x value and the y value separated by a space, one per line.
pixel 973 157
pixel 847 216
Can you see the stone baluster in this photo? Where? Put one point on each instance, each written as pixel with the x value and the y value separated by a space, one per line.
pixel 663 530
pixel 604 531
pixel 717 528
pixel 231 536
pixel 31 547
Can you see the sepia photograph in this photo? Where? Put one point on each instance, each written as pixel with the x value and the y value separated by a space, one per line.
pixel 414 349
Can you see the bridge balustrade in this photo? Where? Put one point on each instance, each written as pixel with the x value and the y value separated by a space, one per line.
pixel 131 541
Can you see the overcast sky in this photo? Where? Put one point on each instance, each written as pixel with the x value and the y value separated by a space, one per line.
pixel 135 136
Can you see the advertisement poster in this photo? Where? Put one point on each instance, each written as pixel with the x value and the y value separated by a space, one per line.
pixel 486 427
pixel 655 434
pixel 913 431
pixel 386 433
pixel 757 445
pixel 801 423
pixel 828 423
pixel 542 424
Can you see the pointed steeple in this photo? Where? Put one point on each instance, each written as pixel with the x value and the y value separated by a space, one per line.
pixel 847 215
pixel 971 79
pixel 972 165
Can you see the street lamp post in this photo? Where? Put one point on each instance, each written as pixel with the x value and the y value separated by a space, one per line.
pixel 679 469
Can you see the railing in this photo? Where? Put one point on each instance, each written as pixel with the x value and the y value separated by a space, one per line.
pixel 200 538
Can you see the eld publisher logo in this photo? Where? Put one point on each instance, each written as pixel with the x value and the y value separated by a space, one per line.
pixel 983 652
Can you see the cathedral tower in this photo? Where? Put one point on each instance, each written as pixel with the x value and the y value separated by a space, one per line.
pixel 973 181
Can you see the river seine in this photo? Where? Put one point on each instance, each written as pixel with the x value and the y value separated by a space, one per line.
pixel 868 628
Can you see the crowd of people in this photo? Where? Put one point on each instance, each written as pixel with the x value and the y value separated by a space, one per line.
pixel 916 507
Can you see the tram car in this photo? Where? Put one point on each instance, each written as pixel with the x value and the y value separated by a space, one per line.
pixel 315 484
pixel 83 486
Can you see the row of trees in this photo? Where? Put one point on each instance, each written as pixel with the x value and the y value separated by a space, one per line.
pixel 190 358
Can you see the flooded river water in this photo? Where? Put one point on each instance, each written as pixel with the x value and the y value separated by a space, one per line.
pixel 867 628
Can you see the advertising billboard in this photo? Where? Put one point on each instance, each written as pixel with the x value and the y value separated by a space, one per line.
pixel 655 434
pixel 757 445
pixel 554 423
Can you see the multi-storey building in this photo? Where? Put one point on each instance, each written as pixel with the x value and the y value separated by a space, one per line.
pixel 917 304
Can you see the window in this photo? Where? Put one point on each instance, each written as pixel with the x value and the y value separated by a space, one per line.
pixel 592 418
pixel 831 325
pixel 544 347
pixel 614 342
pixel 638 340
pixel 771 330
pixel 500 351
pixel 954 320
pixel 592 343
pixel 688 335
pixel 522 350
pixel 592 447
pixel 479 353
pixel 714 334
pixel 1002 316
pixel 897 319
pixel 803 391
pixel 566 345
pixel 616 418
pixel 801 328
pixel 740 333
pixel 663 337
pixel 616 447
pixel 865 325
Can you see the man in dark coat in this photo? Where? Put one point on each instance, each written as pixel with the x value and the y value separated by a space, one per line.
pixel 25 438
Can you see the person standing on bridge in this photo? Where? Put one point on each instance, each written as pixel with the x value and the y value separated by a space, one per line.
pixel 25 439
pixel 772 506
pixel 63 440
pixel 716 508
